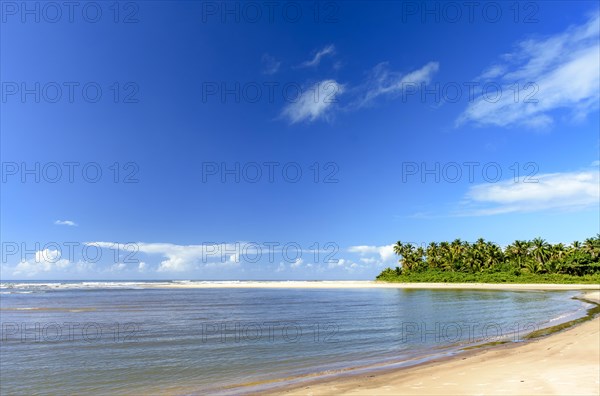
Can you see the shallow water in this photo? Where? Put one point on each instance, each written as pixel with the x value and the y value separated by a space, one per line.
pixel 126 338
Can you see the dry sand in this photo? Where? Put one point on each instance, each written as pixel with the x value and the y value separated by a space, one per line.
pixel 566 363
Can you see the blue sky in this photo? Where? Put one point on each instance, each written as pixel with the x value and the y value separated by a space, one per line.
pixel 291 141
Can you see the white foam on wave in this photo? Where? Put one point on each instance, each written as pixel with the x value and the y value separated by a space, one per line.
pixel 22 287
pixel 569 315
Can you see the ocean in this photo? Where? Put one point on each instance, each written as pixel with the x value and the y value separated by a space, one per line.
pixel 135 337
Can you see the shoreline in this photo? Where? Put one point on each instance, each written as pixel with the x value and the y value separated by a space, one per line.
pixel 565 362
pixel 293 284
pixel 373 284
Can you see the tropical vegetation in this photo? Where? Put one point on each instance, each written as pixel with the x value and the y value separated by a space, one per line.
pixel 535 261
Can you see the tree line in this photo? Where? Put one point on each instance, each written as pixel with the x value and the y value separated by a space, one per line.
pixel 536 256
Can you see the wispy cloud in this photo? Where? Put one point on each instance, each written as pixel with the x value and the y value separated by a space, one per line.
pixel 387 83
pixel 558 72
pixel 270 64
pixel 66 222
pixel 321 100
pixel 320 54
pixel 553 191
pixel 314 103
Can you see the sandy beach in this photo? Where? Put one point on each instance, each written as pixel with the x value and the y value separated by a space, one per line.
pixel 372 284
pixel 566 363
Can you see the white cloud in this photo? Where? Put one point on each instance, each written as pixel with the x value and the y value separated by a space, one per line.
pixel 44 261
pixel 270 64
pixel 368 260
pixel 345 264
pixel 182 258
pixel 83 266
pixel 66 222
pixel 563 73
pixel 384 82
pixel 227 265
pixel 382 254
pixel 314 103
pixel 118 267
pixel 372 256
pixel 556 191
pixel 337 263
pixel 178 258
pixel 168 258
pixel 328 50
pixel 297 263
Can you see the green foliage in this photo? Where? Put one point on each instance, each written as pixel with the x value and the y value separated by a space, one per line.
pixel 436 276
pixel 535 261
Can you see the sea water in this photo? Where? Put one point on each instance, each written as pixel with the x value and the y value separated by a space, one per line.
pixel 135 337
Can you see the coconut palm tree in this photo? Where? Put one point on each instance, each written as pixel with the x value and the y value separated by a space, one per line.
pixel 493 255
pixel 540 250
pixel 400 249
pixel 457 250
pixel 533 266
pixel 518 251
pixel 592 247
pixel 433 256
pixel 411 258
pixel 559 251
pixel 418 258
pixel 446 256
pixel 473 259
